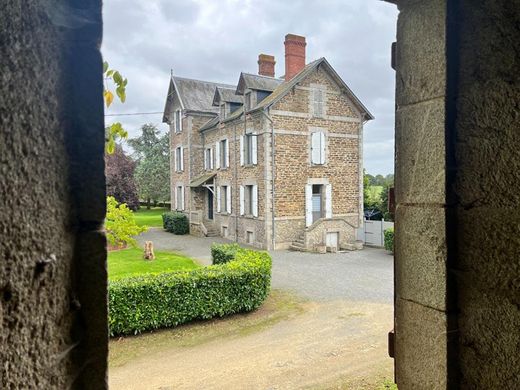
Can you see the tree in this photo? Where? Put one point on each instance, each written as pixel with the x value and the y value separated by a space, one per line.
pixel 120 224
pixel 152 174
pixel 120 181
pixel 114 131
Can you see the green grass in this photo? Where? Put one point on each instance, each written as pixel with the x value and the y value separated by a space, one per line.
pixel 130 262
pixel 152 217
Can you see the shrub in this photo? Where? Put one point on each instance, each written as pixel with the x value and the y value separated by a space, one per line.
pixel 120 224
pixel 389 239
pixel 148 302
pixel 223 253
pixel 176 223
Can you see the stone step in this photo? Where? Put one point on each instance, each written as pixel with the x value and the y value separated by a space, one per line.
pixel 298 244
pixel 298 248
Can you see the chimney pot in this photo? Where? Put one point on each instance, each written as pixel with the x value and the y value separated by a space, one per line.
pixel 294 55
pixel 266 64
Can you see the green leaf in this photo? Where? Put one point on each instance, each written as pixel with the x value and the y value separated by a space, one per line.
pixel 105 66
pixel 117 78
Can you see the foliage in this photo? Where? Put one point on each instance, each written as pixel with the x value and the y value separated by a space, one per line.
pixel 152 173
pixel 375 196
pixel 389 239
pixel 223 253
pixel 387 385
pixel 148 302
pixel 150 217
pixel 120 225
pixel 130 262
pixel 176 223
pixel 114 131
pixel 120 182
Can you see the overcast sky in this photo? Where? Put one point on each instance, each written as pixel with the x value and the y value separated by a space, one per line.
pixel 215 40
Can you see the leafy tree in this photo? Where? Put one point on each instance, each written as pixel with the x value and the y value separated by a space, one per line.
pixel 114 131
pixel 152 173
pixel 120 181
pixel 120 224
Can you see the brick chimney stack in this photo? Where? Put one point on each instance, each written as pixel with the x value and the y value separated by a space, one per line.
pixel 266 65
pixel 294 55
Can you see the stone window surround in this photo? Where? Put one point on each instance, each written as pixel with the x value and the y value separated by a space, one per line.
pixel 313 129
pixel 249 182
pixel 323 88
pixel 223 212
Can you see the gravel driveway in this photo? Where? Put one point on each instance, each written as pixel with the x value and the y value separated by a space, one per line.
pixel 365 275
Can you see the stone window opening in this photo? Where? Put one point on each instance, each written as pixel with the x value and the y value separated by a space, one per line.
pixel 318 148
pixel 208 159
pixel 222 153
pixel 179 159
pixel 249 200
pixel 224 199
pixel 249 149
pixel 177 120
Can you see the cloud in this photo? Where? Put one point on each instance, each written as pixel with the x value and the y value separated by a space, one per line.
pixel 216 40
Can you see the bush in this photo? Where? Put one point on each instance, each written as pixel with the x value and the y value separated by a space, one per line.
pixel 176 223
pixel 223 253
pixel 120 224
pixel 148 302
pixel 389 239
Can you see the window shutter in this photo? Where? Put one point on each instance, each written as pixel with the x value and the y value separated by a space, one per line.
pixel 308 204
pixel 182 197
pixel 228 199
pixel 210 158
pixel 175 197
pixel 254 149
pixel 217 152
pixel 328 201
pixel 180 120
pixel 322 147
pixel 318 102
pixel 227 153
pixel 206 159
pixel 175 159
pixel 182 158
pixel 218 199
pixel 254 205
pixel 242 200
pixel 242 149
pixel 315 148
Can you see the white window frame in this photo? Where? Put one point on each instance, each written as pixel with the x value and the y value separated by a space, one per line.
pixel 318 149
pixel 224 199
pixel 177 120
pixel 179 159
pixel 218 149
pixel 249 200
pixel 249 149
pixel 179 200
pixel 208 159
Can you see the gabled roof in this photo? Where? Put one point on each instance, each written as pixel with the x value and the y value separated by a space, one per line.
pixel 258 82
pixel 286 86
pixel 194 95
pixel 226 95
pixel 209 124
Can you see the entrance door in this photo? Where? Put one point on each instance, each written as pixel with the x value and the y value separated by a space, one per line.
pixel 210 204
pixel 332 240
pixel 317 202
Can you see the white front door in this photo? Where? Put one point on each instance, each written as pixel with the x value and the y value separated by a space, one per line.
pixel 332 240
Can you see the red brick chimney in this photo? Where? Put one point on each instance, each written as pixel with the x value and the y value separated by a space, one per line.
pixel 294 55
pixel 266 65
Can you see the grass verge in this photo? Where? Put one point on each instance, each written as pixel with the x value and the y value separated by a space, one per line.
pixel 151 218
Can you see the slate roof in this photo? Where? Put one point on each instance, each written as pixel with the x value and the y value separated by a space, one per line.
pixel 226 95
pixel 200 180
pixel 254 81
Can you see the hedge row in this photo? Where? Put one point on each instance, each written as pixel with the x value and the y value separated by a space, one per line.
pixel 176 223
pixel 223 253
pixel 150 302
pixel 389 239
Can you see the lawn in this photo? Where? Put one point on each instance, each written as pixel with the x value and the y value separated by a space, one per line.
pixel 130 262
pixel 152 217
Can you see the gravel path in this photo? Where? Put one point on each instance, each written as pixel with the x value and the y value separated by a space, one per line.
pixel 365 275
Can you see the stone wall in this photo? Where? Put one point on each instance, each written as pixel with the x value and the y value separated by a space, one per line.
pixel 53 313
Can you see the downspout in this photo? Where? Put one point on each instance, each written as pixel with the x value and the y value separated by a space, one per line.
pixel 236 182
pixel 273 227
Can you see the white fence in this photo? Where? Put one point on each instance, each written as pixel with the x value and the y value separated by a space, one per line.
pixel 372 232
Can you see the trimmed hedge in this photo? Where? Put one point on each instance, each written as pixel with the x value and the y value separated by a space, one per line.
pixel 148 302
pixel 389 239
pixel 223 253
pixel 176 223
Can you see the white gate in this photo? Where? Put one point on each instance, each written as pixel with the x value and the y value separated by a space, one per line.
pixel 373 232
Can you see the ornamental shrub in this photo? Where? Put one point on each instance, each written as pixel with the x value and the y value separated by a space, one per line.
pixel 389 239
pixel 120 224
pixel 223 253
pixel 148 302
pixel 176 223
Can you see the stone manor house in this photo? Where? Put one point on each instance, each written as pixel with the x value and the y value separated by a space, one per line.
pixel 271 162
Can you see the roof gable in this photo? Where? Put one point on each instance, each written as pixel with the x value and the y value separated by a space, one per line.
pixel 258 82
pixel 226 95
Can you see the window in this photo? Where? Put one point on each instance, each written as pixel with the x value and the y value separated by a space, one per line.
pixel 179 159
pixel 222 152
pixel 318 148
pixel 224 199
pixel 318 202
pixel 249 200
pixel 250 237
pixel 208 158
pixel 248 149
pixel 318 106
pixel 224 231
pixel 179 197
pixel 178 121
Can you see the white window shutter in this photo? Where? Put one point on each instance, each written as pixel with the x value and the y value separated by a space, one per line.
pixel 228 199
pixel 254 205
pixel 242 149
pixel 328 201
pixel 210 158
pixel 242 200
pixel 180 120
pixel 182 197
pixel 315 148
pixel 175 197
pixel 217 152
pixel 254 149
pixel 322 147
pixel 227 153
pixel 218 199
pixel 308 204
pixel 182 158
pixel 175 159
